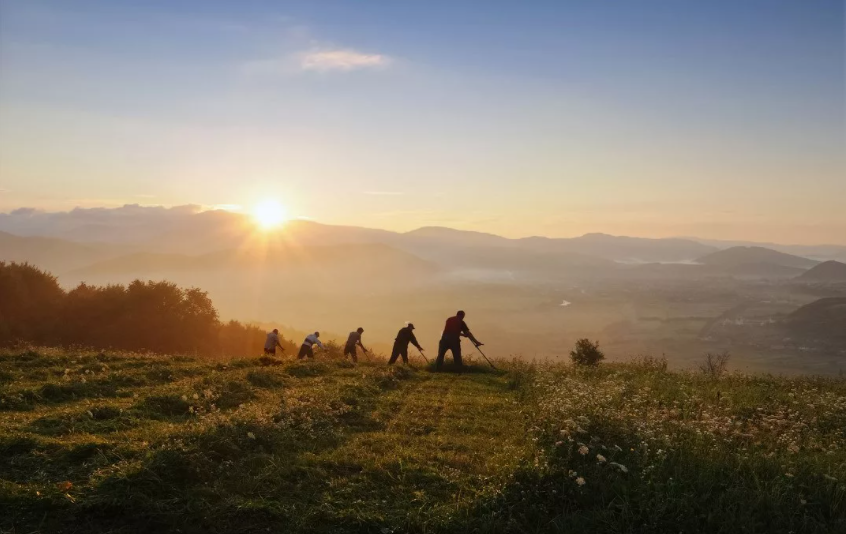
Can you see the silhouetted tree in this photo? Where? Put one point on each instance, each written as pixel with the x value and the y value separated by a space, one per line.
pixel 29 304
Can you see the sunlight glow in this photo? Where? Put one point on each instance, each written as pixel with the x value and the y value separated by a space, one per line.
pixel 269 214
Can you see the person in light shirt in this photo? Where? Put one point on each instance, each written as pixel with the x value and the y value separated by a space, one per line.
pixel 272 342
pixel 306 348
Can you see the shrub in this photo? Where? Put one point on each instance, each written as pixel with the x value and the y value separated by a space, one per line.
pixel 587 353
pixel 715 364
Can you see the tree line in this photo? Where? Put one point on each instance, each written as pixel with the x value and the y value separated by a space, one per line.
pixel 142 316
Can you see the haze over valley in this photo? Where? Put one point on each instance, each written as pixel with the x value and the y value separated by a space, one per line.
pixel 679 297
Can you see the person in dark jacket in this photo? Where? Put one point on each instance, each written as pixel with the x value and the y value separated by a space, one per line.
pixel 353 340
pixel 404 337
pixel 454 330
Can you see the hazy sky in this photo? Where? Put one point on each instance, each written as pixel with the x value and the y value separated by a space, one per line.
pixel 721 119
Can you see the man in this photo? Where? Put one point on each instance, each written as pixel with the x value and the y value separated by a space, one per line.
pixel 352 341
pixel 272 342
pixel 306 348
pixel 454 329
pixel 404 337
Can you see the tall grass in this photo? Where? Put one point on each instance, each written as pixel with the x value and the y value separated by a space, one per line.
pixel 103 442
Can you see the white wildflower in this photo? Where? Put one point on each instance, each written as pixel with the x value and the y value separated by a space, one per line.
pixel 251 435
pixel 583 450
pixel 600 458
pixel 580 481
pixel 621 467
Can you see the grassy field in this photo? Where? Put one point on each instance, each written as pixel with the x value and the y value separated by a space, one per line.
pixel 131 443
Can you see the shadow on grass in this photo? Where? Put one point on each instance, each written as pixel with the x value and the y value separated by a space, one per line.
pixel 686 492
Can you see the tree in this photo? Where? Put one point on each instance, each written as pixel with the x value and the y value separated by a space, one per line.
pixel 29 304
pixel 587 353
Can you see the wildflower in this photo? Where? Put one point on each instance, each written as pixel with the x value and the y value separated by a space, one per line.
pixel 600 458
pixel 571 473
pixel 251 435
pixel 621 467
pixel 91 415
pixel 196 396
pixel 191 409
pixel 583 450
pixel 789 475
pixel 559 443
pixel 185 398
pixel 580 481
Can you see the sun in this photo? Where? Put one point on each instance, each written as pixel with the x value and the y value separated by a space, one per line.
pixel 269 214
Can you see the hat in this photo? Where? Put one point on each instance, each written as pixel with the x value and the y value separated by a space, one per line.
pixel 410 325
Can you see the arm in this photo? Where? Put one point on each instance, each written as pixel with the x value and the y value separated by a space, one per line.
pixel 280 345
pixel 415 343
pixel 319 344
pixel 465 331
pixel 360 345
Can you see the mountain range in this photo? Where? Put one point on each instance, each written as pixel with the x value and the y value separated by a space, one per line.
pixel 153 241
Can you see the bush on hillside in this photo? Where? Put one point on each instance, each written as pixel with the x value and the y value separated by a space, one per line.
pixel 586 353
pixel 715 364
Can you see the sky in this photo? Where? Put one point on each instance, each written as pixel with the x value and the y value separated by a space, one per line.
pixel 718 119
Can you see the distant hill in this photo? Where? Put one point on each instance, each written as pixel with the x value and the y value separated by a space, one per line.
pixel 52 254
pixel 365 259
pixel 815 252
pixel 740 256
pixel 622 248
pixel 821 320
pixel 827 271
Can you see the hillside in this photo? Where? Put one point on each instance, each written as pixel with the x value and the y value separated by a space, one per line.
pixel 823 319
pixel 126 443
pixel 827 271
pixel 740 256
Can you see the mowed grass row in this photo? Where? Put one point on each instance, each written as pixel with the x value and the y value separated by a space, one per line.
pixel 103 442
pixel 131 443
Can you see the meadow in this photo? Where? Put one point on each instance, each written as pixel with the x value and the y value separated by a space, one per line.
pixel 123 442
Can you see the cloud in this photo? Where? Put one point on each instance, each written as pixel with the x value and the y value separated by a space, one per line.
pixel 344 60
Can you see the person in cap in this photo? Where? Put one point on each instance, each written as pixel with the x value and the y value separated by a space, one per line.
pixel 353 340
pixel 404 337
pixel 454 330
pixel 306 348
pixel 271 342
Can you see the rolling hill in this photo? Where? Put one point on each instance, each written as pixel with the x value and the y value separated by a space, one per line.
pixel 827 271
pixel 53 254
pixel 821 320
pixel 740 256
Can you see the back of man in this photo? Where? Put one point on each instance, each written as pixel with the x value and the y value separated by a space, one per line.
pixel 353 340
pixel 271 342
pixel 306 349
pixel 404 337
pixel 454 328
